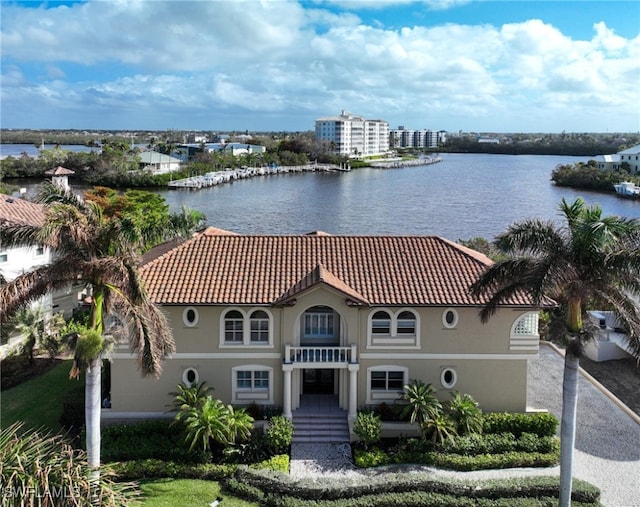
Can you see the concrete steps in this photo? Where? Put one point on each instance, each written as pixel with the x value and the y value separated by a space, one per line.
pixel 313 428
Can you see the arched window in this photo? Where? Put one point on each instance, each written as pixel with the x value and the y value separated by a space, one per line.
pixel 233 327
pixel 381 323
pixel 406 323
pixel 259 327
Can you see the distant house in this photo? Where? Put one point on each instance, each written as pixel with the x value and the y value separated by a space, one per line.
pixel 608 162
pixel 630 157
pixel 488 140
pixel 231 148
pixel 158 163
pixel 274 319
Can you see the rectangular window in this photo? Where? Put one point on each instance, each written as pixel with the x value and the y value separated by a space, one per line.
pixel 407 326
pixel 381 326
pixel 39 251
pixel 252 380
pixel 318 325
pixel 260 330
pixel 387 380
pixel 4 257
pixel 233 331
pixel 244 379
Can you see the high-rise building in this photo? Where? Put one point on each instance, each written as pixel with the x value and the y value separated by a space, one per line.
pixel 353 135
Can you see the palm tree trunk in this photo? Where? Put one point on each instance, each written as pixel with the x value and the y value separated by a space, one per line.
pixel 92 394
pixel 568 425
pixel 93 389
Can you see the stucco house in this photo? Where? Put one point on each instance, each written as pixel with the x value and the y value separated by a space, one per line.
pixel 15 260
pixel 272 319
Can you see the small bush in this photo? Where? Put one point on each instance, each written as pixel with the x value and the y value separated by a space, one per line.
pixel 278 463
pixel 541 424
pixel 368 428
pixel 371 458
pixel 279 434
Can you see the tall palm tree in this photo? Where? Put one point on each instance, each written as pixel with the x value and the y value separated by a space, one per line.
pixel 103 253
pixel 589 259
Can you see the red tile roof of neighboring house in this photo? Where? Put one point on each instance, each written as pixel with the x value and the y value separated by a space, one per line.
pixel 219 268
pixel 17 211
pixel 59 171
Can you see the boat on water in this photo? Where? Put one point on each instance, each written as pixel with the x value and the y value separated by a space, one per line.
pixel 627 189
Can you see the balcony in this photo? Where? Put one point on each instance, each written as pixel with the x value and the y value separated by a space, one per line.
pixel 337 357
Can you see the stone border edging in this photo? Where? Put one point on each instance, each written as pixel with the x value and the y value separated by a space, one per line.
pixel 597 384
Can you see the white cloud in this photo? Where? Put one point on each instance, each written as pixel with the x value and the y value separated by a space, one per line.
pixel 199 60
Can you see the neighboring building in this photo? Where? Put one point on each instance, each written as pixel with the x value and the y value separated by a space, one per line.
pixel 15 260
pixel 632 157
pixel 270 319
pixel 158 163
pixel 488 140
pixel 231 148
pixel 353 136
pixel 608 162
pixel 60 176
pixel 425 138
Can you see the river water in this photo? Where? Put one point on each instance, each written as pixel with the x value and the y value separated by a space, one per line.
pixel 464 196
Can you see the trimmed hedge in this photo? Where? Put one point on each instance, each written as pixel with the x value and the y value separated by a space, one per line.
pixel 157 468
pixel 513 459
pixel 542 424
pixel 474 444
pixel 403 489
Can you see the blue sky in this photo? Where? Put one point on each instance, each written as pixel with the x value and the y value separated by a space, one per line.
pixel 486 66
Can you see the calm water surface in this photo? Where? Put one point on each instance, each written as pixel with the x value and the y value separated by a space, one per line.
pixel 464 196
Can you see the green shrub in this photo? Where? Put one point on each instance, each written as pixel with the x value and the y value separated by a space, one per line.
pixel 158 439
pixel 466 413
pixel 368 428
pixel 541 424
pixel 278 463
pixel 371 458
pixel 158 468
pixel 279 434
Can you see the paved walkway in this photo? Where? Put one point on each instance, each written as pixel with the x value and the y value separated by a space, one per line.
pixel 607 442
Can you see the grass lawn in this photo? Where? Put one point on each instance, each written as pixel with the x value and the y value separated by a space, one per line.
pixel 38 402
pixel 183 492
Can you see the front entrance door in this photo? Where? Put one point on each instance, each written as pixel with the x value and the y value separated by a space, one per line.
pixel 317 381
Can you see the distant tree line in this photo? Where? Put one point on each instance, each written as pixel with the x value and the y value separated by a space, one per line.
pixel 581 146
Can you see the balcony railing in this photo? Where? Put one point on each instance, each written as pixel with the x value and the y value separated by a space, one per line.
pixel 336 355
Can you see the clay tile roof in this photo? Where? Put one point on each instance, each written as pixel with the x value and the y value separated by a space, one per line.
pixel 59 171
pixel 222 269
pixel 17 211
pixel 320 275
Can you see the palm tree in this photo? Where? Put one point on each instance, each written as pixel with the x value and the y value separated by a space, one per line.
pixel 422 404
pixel 589 259
pixel 103 253
pixel 29 323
